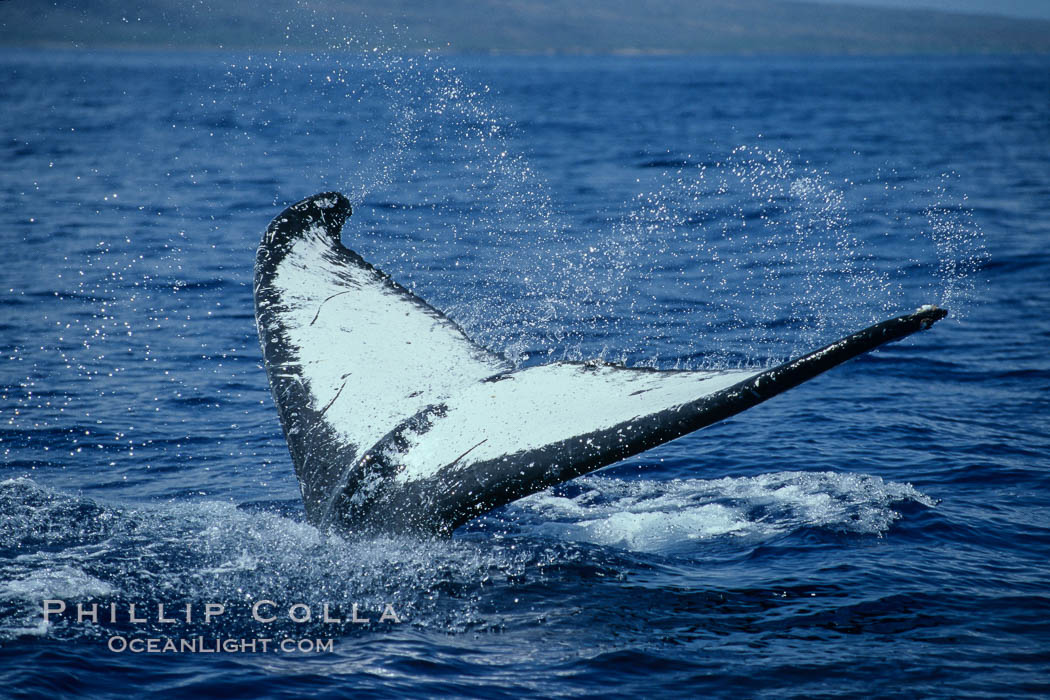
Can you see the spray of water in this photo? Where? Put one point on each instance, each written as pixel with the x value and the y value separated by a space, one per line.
pixel 751 255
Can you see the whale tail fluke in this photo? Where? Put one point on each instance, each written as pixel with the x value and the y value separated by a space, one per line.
pixel 396 420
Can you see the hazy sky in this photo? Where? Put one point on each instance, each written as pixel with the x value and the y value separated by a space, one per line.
pixel 1011 8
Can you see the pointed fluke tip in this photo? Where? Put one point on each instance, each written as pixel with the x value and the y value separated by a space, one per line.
pixel 929 314
pixel 331 207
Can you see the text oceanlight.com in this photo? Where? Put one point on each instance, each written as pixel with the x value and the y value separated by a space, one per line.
pixel 202 645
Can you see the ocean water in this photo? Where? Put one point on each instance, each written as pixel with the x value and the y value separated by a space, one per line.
pixel 882 530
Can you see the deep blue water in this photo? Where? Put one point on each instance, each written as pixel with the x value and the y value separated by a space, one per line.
pixel 882 530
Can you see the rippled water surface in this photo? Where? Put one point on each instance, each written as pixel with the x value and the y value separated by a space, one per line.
pixel 881 530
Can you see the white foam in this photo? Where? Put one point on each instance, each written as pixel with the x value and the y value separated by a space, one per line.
pixel 61 582
pixel 654 515
pixel 216 552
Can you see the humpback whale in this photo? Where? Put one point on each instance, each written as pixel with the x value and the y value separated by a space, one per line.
pixel 397 421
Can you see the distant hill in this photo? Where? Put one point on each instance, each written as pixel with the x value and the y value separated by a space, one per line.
pixel 588 26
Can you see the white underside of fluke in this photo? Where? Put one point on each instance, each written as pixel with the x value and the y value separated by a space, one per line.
pixel 373 356
pixel 545 405
pixel 370 355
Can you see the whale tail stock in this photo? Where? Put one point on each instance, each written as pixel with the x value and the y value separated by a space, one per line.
pixel 396 420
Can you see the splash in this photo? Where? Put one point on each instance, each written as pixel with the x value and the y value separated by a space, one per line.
pixel 760 258
pixel 959 244
pixel 751 256
pixel 681 514
pixel 58 546
pixel 72 548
